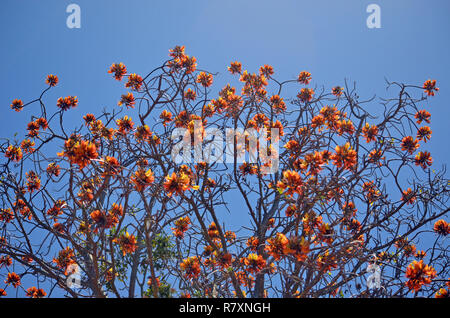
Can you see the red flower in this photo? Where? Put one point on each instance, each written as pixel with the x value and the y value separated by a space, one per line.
pixel 53 169
pixel 176 184
pixel 125 124
pixel 419 274
pixel 408 196
pixel 266 70
pixel 337 91
pixel 345 156
pixel 304 77
pixel 424 133
pixel 67 102
pixel 254 263
pixel 13 279
pixel 277 246
pixel 370 132
pixel 127 100
pixel 14 153
pixel 52 80
pixel 409 144
pixel 430 87
pixel 33 292
pixel 204 79
pixel 134 82
pixel 181 225
pixel 423 159
pixel 441 227
pixel 142 179
pixel 191 267
pixel 33 181
pixel 422 115
pixel 119 70
pixel 235 67
pixel 17 105
pixel 306 94
pixel 127 243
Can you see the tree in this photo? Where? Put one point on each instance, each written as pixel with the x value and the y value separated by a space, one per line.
pixel 347 191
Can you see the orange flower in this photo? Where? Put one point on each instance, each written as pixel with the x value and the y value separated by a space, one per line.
pixel 23 209
pixel 421 254
pixel 370 132
pixel 83 153
pixel 424 133
pixel 188 63
pixel 441 227
pixel 235 67
pixel 291 181
pixel 277 103
pixel 190 94
pixel 277 246
pixel 298 247
pixel 430 87
pixel 304 77
pixel 419 274
pixel 142 179
pixel 89 118
pixel 345 127
pixel 176 184
pixel 441 293
pixel 33 181
pixel 65 258
pixel 103 219
pixel 253 243
pixel 326 233
pixel 266 70
pixel 13 279
pixel 17 105
pixel 181 226
pixel 191 267
pixel 246 168
pixel 2 292
pixel 56 210
pixel 408 196
pixel 205 79
pixel 127 100
pixel 125 124
pixel 119 70
pixel 422 115
pixel 213 231
pixel 337 91
pixel 254 263
pixel 306 94
pixel 33 292
pixel 65 103
pixel 423 159
pixel 14 153
pixel 42 122
pixel 53 169
pixel 177 51
pixel 371 192
pixel 134 82
pixel 166 116
pixel 6 215
pixel 409 144
pixel 345 156
pixel 127 243
pixel 52 80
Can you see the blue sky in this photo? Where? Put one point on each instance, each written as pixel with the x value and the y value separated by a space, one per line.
pixel 328 38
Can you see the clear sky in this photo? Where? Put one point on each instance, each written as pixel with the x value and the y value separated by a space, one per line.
pixel 328 38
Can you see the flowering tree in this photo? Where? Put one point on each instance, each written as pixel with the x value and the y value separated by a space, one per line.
pixel 113 214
